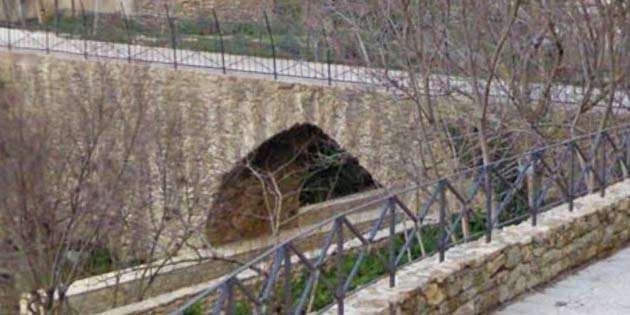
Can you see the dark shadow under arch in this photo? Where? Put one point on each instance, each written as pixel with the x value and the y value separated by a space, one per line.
pixel 297 167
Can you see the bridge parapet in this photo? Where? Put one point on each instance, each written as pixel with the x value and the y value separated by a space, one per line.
pixel 477 277
pixel 520 259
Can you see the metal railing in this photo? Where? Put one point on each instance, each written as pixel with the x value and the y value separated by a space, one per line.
pixel 261 48
pixel 483 199
pixel 256 47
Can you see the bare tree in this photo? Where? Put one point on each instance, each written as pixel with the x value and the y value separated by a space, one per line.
pixel 490 70
pixel 99 179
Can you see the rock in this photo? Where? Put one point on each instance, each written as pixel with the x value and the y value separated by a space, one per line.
pixel 514 256
pixel 434 294
pixel 466 309
pixel 496 264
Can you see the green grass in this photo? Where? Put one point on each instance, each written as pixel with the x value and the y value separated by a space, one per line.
pixel 195 309
pixel 372 268
pixel 240 37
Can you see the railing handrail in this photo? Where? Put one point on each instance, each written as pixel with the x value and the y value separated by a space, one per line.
pixel 388 194
pixel 444 84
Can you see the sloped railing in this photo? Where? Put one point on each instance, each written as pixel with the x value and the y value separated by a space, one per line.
pixel 466 205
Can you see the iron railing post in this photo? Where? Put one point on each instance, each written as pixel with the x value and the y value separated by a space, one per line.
pixel 128 31
pixel 5 8
pixel 231 305
pixel 9 26
pixel 84 33
pixel 603 163
pixel 273 46
pixel 221 43
pixel 340 294
pixel 288 303
pixel 328 66
pixel 488 189
pixel 535 187
pixel 8 17
pixel 57 20
pixel 171 26
pixel 391 263
pixel 571 174
pixel 442 202
pixel 47 39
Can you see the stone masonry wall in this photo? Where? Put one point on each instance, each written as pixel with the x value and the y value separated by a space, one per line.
pixel 99 293
pixel 230 115
pixel 235 113
pixel 476 277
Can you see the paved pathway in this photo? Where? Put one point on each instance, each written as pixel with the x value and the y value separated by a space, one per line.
pixel 600 289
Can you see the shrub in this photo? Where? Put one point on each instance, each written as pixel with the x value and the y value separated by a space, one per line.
pixel 195 309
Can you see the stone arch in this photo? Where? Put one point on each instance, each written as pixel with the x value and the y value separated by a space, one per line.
pixel 299 166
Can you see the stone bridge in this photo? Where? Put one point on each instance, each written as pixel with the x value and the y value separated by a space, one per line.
pixel 477 277
pixel 235 113
pixel 238 114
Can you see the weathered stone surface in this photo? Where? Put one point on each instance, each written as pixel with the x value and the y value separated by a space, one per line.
pixel 494 265
pixel 231 115
pixel 490 274
pixel 466 309
pixel 434 294
pixel 599 289
pixel 513 257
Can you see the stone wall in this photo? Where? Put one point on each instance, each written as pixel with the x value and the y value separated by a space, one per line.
pixel 236 114
pixel 165 303
pixel 233 114
pixel 190 273
pixel 477 277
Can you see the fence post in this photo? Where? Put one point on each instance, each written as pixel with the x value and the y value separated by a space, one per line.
pixel 488 189
pixel 603 163
pixel 171 26
pixel 57 17
pixel 221 43
pixel 47 39
pixel 328 64
pixel 9 26
pixel 273 46
pixel 128 29
pixel 571 174
pixel 339 256
pixel 391 206
pixel 535 188
pixel 8 17
pixel 230 309
pixel 443 236
pixel 85 46
pixel 288 303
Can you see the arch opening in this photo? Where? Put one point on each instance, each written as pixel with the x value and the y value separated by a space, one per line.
pixel 297 167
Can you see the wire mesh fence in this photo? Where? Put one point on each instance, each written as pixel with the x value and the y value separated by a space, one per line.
pixel 413 223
